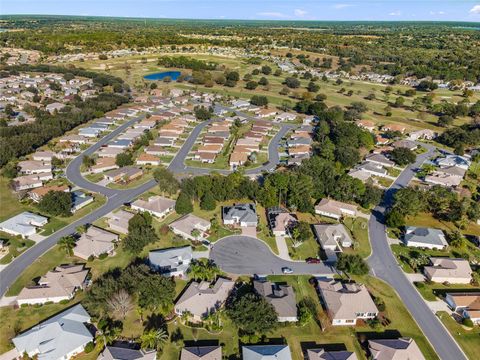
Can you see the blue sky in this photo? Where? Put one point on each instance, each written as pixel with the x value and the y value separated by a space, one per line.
pixel 465 10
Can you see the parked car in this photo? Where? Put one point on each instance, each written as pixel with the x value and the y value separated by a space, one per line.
pixel 287 270
pixel 311 260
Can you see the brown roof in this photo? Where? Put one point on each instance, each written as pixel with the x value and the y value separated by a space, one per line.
pixel 42 191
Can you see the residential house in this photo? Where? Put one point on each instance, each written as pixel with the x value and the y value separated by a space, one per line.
pixel 423 134
pixel 335 209
pixel 121 143
pixel 332 238
pixel 201 353
pixel 60 337
pixel 266 352
pixel 148 159
pixel 104 164
pixel 118 221
pixel 56 106
pixel 447 270
pixel 372 169
pixel 124 174
pixel 171 262
pixel 202 299
pixel 238 158
pixel 240 214
pixel 285 117
pixel 95 242
pixel 409 144
pixel 74 139
pixel 79 200
pixel 126 351
pixel 158 206
pixel 187 224
pixel 55 286
pixel 393 349
pixel 467 304
pixel 394 127
pixel 282 298
pixel 322 354
pixel 366 124
pixel 346 302
pixel 109 152
pixel 424 238
pixel 380 160
pixel 28 182
pixel 280 221
pixel 89 132
pixel 454 160
pixel 38 193
pixel 46 156
pixel 205 157
pixel 24 224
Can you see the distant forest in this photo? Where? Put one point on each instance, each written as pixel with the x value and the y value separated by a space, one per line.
pixel 443 50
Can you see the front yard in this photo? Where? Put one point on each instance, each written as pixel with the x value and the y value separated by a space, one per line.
pixel 467 339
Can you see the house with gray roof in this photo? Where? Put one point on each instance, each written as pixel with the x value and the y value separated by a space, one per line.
pixel 201 353
pixel 281 296
pixel 454 160
pixel 392 349
pixel 126 351
pixel 80 199
pixel 240 214
pixel 424 238
pixel 57 338
pixel 266 352
pixel 187 224
pixel 379 159
pixel 172 261
pixel 24 224
pixel 322 354
pixel 332 238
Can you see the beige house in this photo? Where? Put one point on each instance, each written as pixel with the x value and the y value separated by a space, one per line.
pixel 392 349
pixel 453 271
pixel 201 353
pixel 187 224
pixel 95 242
pixel 335 209
pixel 118 221
pixel 124 174
pixel 55 286
pixel 202 299
pixel 38 193
pixel 280 221
pixel 346 302
pixel 104 164
pixel 155 205
pixel 30 167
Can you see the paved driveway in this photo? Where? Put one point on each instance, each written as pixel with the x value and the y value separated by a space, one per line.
pixel 243 255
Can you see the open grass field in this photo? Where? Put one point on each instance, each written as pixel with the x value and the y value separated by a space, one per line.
pixel 427 220
pixel 358 227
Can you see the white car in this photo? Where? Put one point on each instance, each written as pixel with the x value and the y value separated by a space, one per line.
pixel 287 270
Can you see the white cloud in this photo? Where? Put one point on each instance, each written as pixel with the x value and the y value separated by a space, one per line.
pixel 273 14
pixel 437 12
pixel 395 13
pixel 475 10
pixel 300 12
pixel 341 6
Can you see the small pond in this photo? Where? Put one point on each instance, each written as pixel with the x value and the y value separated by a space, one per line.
pixel 162 75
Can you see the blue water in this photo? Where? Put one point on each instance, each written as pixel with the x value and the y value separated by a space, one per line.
pixel 162 75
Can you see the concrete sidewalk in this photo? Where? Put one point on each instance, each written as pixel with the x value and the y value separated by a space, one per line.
pixel 282 248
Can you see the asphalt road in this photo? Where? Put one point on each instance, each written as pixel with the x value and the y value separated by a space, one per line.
pixel 243 255
pixel 384 265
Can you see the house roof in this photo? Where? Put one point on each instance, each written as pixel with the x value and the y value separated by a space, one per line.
pixel 23 223
pixel 56 337
pixel 155 203
pixel 266 352
pixel 62 281
pixel 200 298
pixel 173 258
pixel 189 222
pixel 379 158
pixel 448 268
pixel 425 236
pixel 124 171
pixel 331 234
pixel 95 241
pixel 124 351
pixel 120 218
pixel 322 354
pixel 334 207
pixel 344 300
pixel 280 296
pixel 42 191
pixel 201 353
pixel 240 212
pixel 395 349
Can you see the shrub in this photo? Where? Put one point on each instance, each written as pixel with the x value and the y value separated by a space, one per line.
pixel 102 256
pixel 467 322
pixel 89 347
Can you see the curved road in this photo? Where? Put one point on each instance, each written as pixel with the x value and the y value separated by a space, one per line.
pixel 244 255
pixel 115 197
pixel 384 265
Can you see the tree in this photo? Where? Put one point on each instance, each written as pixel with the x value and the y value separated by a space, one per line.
pixel 301 232
pixel 124 159
pixel 292 82
pixel 352 264
pixel 202 113
pixel 252 314
pixel 195 234
pixel 156 292
pixel 67 244
pixel 203 269
pixel 183 204
pixel 153 339
pixel 251 85
pixel 263 81
pixel 313 87
pixel 266 70
pixel 259 100
pixel 395 219
pixel 120 304
pixel 88 161
pixel 166 180
pixel 445 120
pixel 208 202
pixel 10 170
pixel 140 233
pixel 56 203
pixel 403 156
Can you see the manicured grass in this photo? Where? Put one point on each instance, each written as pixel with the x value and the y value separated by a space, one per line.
pixel 16 245
pixel 404 253
pixel 94 178
pixel 147 175
pixel 264 232
pixel 53 225
pixel 358 227
pixel 393 171
pixel 434 291
pixel 467 339
pixel 10 204
pixel 309 248
pixel 427 220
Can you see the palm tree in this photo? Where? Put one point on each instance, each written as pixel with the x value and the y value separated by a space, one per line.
pixel 196 234
pixel 67 243
pixel 154 339
pixel 203 269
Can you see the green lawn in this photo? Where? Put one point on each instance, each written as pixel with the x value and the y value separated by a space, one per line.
pixel 16 245
pixel 434 291
pixel 10 204
pixel 467 339
pixel 358 227
pixel 309 248
pixel 94 178
pixel 403 255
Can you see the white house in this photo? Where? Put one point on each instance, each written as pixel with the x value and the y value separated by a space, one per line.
pixel 424 238
pixel 155 205
pixel 24 224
